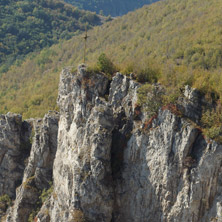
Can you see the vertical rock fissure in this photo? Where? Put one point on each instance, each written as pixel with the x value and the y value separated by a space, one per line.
pixel 198 147
pixel 117 151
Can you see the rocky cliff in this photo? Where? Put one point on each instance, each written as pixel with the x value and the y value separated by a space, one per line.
pixel 107 161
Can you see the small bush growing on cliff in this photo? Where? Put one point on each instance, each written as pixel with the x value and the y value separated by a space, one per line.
pixel 148 74
pixel 104 64
pixel 211 122
pixel 151 98
pixel 5 202
pixel 144 71
pixel 46 193
pixel 30 184
pixel 32 136
pixel 32 215
pixel 42 198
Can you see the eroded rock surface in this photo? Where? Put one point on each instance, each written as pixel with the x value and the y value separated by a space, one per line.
pixel 14 149
pixel 113 164
pixel 82 169
pixel 38 172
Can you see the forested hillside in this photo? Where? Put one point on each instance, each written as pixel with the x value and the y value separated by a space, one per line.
pixel 180 40
pixel 110 7
pixel 27 26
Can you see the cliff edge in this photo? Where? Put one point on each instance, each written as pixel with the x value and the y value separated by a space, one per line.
pixel 103 159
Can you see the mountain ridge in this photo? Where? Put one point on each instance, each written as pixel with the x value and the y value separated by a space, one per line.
pixel 110 7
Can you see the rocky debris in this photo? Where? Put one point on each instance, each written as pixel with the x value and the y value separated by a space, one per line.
pixel 38 172
pixel 112 163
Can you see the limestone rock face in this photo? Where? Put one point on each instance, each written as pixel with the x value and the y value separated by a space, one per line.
pixel 191 104
pixel 38 172
pixel 110 163
pixel 14 149
pixel 82 168
pixel 168 174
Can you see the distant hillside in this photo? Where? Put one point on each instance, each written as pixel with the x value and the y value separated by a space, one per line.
pixel 110 7
pixel 26 26
pixel 182 37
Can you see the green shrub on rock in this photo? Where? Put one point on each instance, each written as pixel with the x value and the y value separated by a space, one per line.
pixel 150 97
pixel 148 74
pixel 46 193
pixel 105 65
pixel 211 123
pixel 5 202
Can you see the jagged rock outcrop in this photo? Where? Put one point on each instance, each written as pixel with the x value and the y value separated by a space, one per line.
pixel 38 172
pixel 82 169
pixel 14 149
pixel 113 164
pixel 161 169
pixel 191 104
pixel 170 173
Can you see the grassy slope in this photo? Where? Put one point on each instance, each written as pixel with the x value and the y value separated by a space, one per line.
pixel 110 7
pixel 186 32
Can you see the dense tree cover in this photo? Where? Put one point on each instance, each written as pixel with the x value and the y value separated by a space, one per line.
pixel 29 25
pixel 177 41
pixel 110 7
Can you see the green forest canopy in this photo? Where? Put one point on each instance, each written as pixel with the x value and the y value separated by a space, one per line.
pixel 30 25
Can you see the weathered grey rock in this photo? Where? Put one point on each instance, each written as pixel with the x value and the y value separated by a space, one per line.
pixel 168 174
pixel 122 94
pixel 38 173
pixel 191 104
pixel 14 149
pixel 113 164
pixel 82 169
